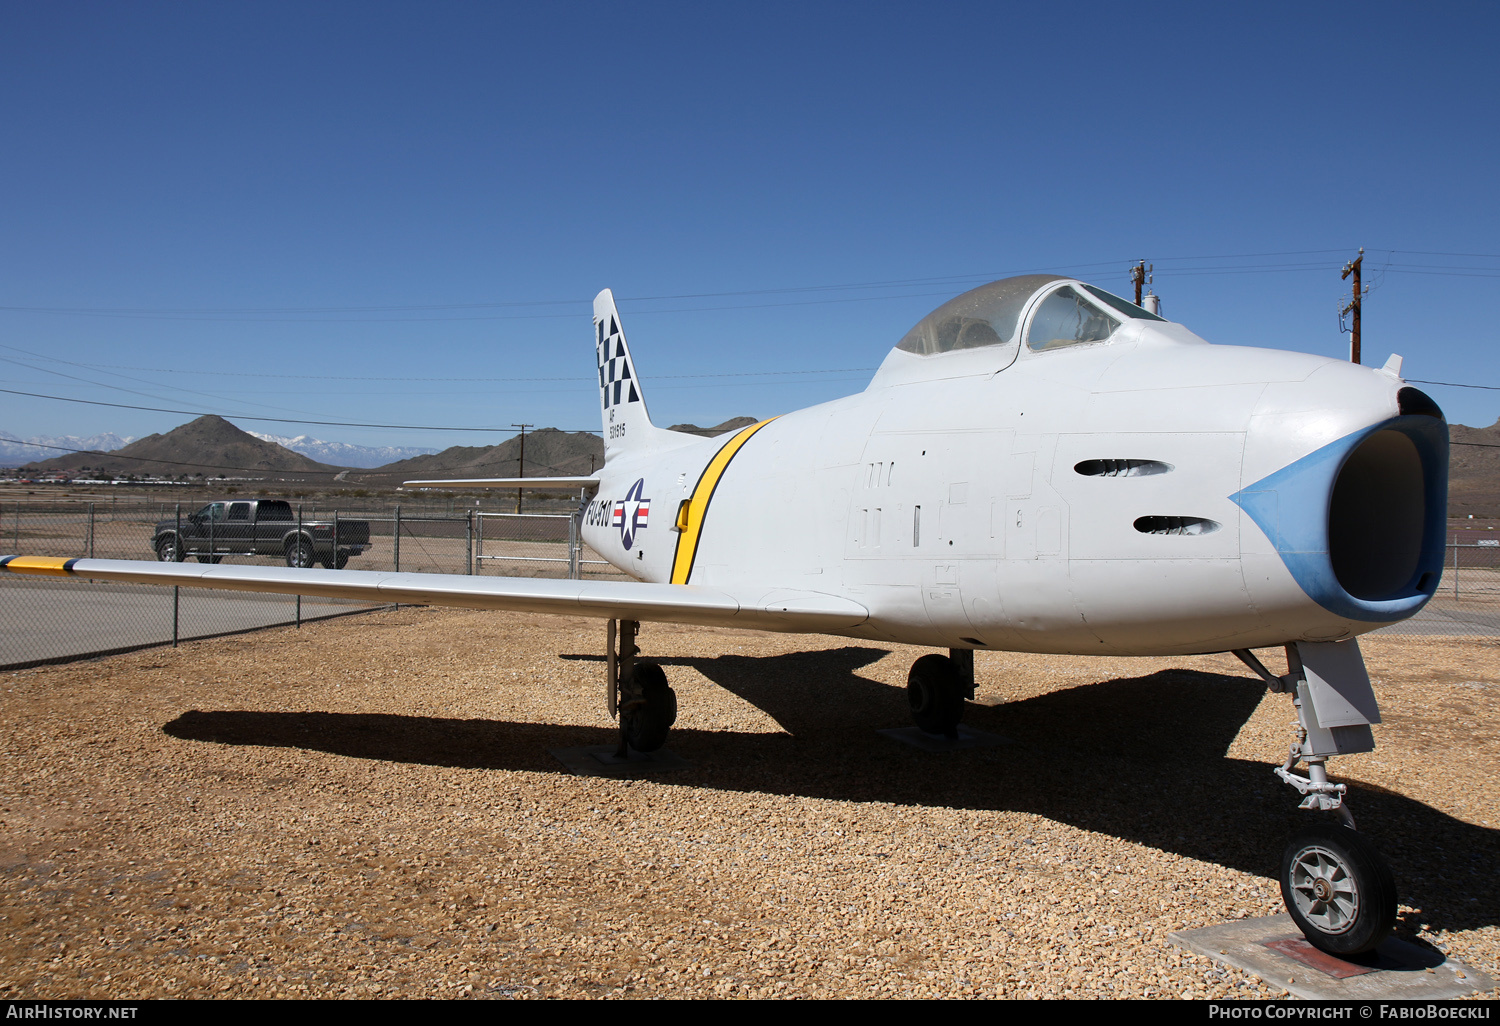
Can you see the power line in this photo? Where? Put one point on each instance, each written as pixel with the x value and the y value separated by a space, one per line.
pixel 278 420
pixel 122 388
pixel 116 455
pixel 340 314
pixel 884 283
pixel 405 378
pixel 334 312
pixel 1454 384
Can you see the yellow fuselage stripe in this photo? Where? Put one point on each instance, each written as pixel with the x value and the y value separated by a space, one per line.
pixel 52 566
pixel 703 493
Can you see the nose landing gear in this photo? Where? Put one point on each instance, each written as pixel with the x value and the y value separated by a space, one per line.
pixel 1336 887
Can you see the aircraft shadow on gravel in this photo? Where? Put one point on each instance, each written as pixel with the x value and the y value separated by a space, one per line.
pixel 1118 757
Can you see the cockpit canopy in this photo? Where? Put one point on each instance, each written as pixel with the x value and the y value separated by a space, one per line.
pixel 990 315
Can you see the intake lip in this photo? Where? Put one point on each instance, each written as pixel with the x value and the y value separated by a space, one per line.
pixel 1361 522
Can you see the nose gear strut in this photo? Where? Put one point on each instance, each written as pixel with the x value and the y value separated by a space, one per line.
pixel 1336 887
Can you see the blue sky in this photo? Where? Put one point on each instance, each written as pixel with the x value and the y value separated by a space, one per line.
pixel 314 211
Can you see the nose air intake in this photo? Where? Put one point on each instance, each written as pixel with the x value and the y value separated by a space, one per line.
pixel 1361 522
pixel 1376 517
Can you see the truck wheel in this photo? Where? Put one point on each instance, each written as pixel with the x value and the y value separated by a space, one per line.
pixel 343 561
pixel 299 553
pixel 168 551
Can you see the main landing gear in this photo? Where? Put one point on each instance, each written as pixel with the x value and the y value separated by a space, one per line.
pixel 1336 887
pixel 637 692
pixel 936 689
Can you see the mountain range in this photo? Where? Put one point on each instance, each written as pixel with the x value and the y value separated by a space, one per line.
pixel 212 447
pixel 549 453
pixel 1474 471
pixel 209 446
pixel 342 454
pixel 17 452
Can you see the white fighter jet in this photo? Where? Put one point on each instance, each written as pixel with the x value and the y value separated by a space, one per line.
pixel 1038 466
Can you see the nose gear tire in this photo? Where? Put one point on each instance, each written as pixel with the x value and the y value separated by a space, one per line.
pixel 1338 889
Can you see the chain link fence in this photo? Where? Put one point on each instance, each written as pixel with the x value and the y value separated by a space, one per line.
pixel 1468 598
pixel 48 620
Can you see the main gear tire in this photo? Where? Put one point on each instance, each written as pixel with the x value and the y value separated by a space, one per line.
pixel 1338 890
pixel 935 691
pixel 648 720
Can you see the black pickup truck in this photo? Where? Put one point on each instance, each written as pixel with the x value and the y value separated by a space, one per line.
pixel 259 527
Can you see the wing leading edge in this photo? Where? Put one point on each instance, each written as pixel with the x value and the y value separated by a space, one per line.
pixel 780 609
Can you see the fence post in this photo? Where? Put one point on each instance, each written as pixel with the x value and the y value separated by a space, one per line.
pixel 333 557
pixel 469 556
pixel 573 573
pixel 18 527
pixel 299 551
pixel 91 531
pixel 398 537
pixel 176 591
pixel 1455 569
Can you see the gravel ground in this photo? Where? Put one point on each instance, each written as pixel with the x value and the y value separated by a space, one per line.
pixel 367 807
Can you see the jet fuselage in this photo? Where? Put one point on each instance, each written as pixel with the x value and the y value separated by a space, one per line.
pixel 1120 498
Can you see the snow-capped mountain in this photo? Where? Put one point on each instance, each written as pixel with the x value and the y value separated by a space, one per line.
pixel 16 451
pixel 342 454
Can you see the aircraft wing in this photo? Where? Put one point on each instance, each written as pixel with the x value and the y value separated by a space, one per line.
pixel 534 483
pixel 767 609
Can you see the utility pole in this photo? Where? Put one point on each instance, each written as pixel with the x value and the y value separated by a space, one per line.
pixel 522 472
pixel 1353 267
pixel 1140 274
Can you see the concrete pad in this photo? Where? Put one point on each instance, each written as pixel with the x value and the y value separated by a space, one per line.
pixel 919 738
pixel 601 761
pixel 1275 950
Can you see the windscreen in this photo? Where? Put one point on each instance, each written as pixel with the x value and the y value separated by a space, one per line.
pixel 1065 318
pixel 1126 307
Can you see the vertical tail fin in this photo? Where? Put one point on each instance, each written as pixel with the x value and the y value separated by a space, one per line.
pixel 627 425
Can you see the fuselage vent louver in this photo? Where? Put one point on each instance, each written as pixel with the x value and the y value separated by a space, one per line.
pixel 1121 468
pixel 1175 525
